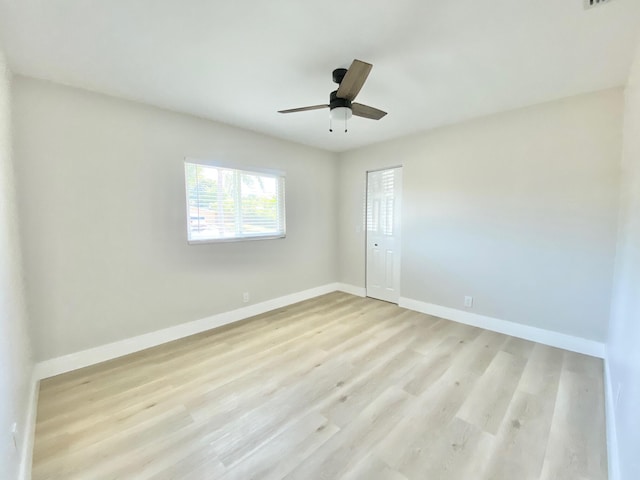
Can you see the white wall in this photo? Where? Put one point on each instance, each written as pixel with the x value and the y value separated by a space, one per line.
pixel 101 188
pixel 623 347
pixel 15 361
pixel 518 210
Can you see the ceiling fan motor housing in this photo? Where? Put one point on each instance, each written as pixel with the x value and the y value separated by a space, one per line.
pixel 335 101
pixel 338 75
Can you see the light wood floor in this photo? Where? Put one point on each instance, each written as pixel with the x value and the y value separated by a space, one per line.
pixel 337 387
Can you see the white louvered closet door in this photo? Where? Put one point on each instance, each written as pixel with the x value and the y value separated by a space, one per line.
pixel 384 188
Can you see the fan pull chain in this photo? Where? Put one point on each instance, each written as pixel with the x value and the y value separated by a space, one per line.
pixel 345 121
pixel 330 124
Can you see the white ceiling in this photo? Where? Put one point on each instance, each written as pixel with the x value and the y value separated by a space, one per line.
pixel 436 62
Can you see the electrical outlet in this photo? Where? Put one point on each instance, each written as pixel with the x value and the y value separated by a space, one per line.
pixel 245 297
pixel 468 302
pixel 14 435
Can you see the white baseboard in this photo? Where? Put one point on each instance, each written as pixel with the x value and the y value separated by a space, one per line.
pixel 352 289
pixel 610 415
pixel 29 430
pixel 534 334
pixel 84 358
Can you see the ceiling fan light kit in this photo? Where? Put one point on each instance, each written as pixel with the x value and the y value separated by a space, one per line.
pixel 341 113
pixel 340 105
pixel 339 108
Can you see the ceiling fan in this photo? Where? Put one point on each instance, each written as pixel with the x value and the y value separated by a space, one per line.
pixel 341 101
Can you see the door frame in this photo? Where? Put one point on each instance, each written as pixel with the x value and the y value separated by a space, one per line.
pixel 366 225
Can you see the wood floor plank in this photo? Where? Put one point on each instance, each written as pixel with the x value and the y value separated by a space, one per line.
pixel 334 387
pixel 353 443
pixel 458 451
pixel 433 366
pixel 575 448
pixel 427 421
pixel 521 439
pixel 488 402
pixel 372 468
pixel 293 446
pixel 518 450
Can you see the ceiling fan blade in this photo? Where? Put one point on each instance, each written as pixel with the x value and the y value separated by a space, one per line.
pixel 303 109
pixel 354 80
pixel 366 111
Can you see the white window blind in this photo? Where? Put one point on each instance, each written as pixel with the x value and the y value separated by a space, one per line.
pixel 231 204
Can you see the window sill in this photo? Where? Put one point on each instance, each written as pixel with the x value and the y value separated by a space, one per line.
pixel 237 239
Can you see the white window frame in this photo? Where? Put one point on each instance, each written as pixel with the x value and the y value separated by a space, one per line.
pixel 279 175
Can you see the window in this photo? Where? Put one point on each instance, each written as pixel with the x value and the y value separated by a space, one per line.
pixel 230 204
